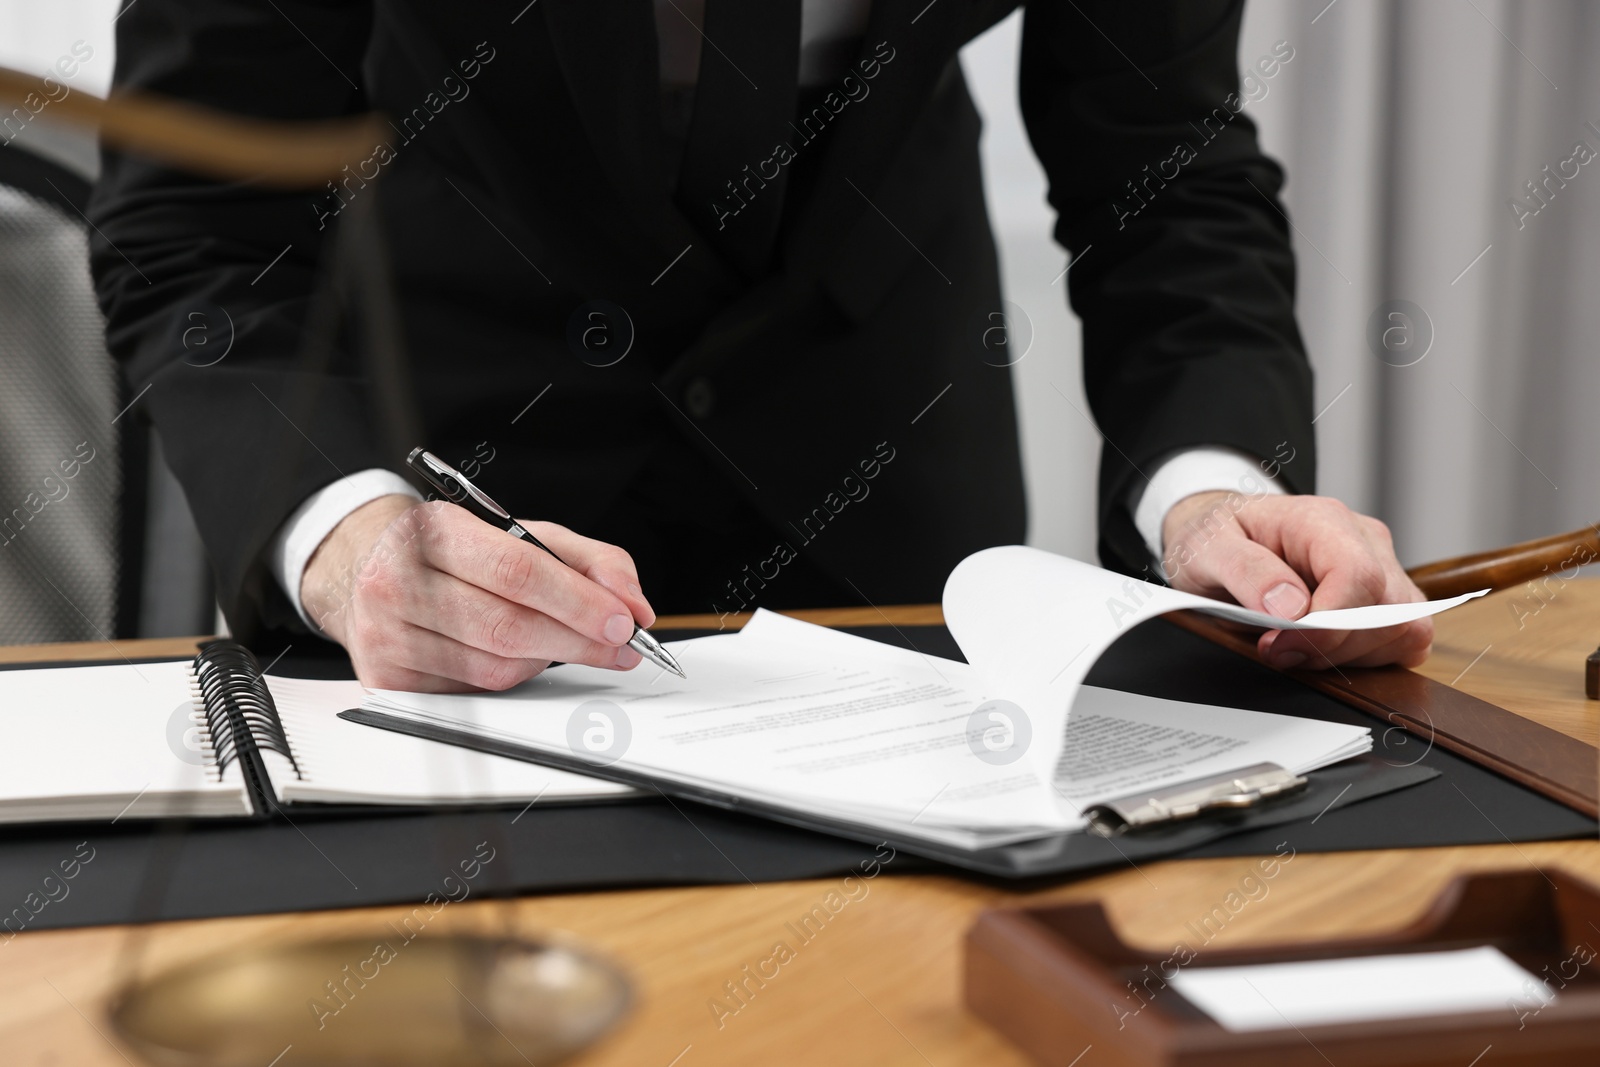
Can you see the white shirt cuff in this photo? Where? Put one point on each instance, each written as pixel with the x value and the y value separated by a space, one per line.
pixel 1196 470
pixel 304 531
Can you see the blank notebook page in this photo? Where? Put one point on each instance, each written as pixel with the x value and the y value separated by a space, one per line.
pixel 107 741
pixel 342 761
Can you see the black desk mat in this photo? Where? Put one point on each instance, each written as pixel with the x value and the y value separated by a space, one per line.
pixel 136 871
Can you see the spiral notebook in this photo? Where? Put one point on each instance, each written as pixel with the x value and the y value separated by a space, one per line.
pixel 215 737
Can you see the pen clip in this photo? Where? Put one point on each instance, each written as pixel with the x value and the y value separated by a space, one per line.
pixel 446 479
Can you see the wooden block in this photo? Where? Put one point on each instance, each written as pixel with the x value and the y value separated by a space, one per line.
pixel 1055 979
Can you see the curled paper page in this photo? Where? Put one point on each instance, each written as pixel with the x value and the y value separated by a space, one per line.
pixel 1032 623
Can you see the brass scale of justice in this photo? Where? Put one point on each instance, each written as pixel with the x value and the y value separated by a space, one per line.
pixel 544 999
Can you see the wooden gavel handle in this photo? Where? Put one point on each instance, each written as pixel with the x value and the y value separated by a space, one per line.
pixel 1502 568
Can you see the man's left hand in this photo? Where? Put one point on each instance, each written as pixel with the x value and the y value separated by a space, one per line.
pixel 1287 555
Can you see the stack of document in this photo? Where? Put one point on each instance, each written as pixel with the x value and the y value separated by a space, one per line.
pixel 825 724
pixel 823 727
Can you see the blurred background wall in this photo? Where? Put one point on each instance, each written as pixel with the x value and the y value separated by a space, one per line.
pixel 36 34
pixel 1446 302
pixel 1408 130
pixel 110 549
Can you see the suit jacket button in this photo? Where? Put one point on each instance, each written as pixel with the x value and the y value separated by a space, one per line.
pixel 698 397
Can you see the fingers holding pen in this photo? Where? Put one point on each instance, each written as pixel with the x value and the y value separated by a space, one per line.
pixel 416 659
pixel 610 566
pixel 479 619
pixel 430 598
pixel 519 572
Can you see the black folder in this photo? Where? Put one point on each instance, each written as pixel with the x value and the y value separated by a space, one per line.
pixel 1406 794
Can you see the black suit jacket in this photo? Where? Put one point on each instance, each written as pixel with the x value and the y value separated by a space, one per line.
pixel 515 196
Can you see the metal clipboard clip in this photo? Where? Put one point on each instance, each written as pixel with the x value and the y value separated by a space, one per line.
pixel 1242 788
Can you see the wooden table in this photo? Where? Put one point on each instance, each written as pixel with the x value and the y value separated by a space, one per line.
pixel 880 983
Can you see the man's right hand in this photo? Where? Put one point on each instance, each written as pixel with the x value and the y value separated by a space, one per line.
pixel 425 597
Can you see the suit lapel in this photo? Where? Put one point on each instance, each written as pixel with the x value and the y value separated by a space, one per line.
pixel 606 50
pixel 863 142
pixel 921 40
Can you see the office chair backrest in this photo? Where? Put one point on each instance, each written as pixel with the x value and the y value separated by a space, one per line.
pixel 60 453
pixel 95 539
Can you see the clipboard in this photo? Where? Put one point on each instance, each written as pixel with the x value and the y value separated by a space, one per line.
pixel 1347 782
pixel 1194 669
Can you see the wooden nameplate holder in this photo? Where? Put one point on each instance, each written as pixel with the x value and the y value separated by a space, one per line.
pixel 1547 761
pixel 1057 979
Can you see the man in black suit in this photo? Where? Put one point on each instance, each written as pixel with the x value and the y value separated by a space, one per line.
pixel 710 281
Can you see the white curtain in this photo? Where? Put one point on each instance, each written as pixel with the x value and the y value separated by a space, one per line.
pixel 1406 128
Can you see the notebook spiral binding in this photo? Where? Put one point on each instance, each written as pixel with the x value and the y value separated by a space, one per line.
pixel 237 704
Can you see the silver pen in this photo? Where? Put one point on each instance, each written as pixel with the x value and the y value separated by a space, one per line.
pixel 458 490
